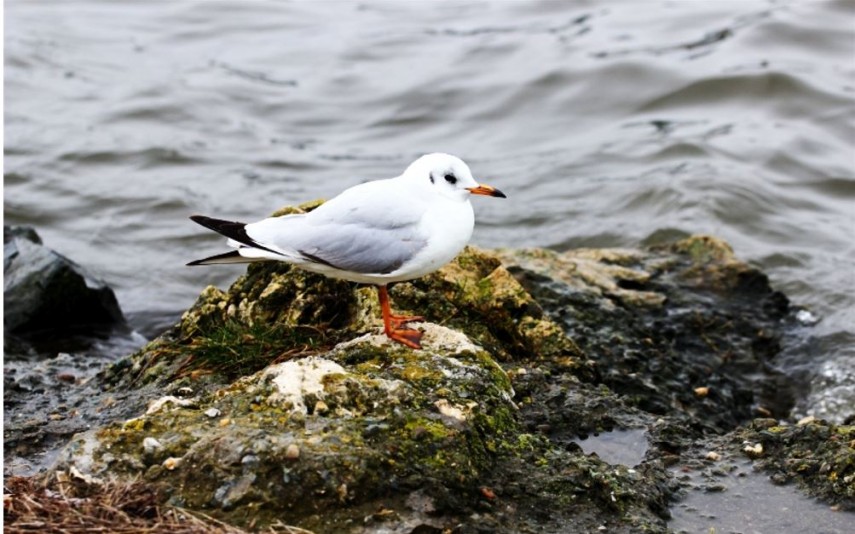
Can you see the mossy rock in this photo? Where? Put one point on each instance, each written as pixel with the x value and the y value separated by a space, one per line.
pixel 683 330
pixel 280 399
pixel 276 311
pixel 363 420
pixel 818 455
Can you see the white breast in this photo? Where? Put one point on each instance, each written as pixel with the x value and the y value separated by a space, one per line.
pixel 450 224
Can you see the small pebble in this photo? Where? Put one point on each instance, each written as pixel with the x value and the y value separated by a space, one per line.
pixel 225 421
pixel 292 452
pixel 151 445
pixel 212 412
pixel 714 456
pixel 171 463
pixel 765 412
pixel 753 451
pixel 806 420
pixel 321 407
pixel 702 391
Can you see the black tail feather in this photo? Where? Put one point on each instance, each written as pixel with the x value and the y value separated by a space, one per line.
pixel 231 229
pixel 228 257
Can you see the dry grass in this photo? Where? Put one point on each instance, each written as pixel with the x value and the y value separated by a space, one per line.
pixel 111 508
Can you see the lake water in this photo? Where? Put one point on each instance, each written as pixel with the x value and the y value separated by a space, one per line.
pixel 607 124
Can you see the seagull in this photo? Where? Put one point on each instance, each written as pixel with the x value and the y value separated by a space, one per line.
pixel 377 233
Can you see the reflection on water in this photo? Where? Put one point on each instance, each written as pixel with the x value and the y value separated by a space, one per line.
pixel 624 447
pixel 606 124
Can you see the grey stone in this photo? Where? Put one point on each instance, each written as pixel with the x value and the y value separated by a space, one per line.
pixel 46 295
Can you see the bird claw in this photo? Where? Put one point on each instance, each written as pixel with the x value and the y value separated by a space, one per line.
pixel 405 336
pixel 397 321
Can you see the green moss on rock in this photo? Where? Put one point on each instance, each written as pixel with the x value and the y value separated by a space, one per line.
pixel 297 408
pixel 432 420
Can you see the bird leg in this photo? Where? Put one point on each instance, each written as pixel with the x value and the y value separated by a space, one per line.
pixel 393 325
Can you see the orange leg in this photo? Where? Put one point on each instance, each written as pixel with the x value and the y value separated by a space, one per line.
pixel 393 325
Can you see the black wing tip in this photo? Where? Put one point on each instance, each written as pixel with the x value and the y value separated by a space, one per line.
pixel 231 229
pixel 226 257
pixel 215 224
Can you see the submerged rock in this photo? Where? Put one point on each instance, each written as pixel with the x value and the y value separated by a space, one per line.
pixel 47 296
pixel 303 412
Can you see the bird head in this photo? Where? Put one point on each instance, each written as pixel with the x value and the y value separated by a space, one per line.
pixel 448 176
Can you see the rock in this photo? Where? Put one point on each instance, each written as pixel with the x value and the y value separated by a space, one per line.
pixel 46 295
pixel 292 452
pixel 657 321
pixel 818 455
pixel 151 445
pixel 753 450
pixel 331 425
pixel 171 464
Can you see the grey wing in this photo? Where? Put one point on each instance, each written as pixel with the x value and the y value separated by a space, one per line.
pixel 362 249
pixel 353 246
pixel 372 228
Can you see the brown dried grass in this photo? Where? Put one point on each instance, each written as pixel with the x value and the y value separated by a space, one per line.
pixel 109 508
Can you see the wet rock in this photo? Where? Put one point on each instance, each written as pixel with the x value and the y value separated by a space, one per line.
pixel 818 455
pixel 685 330
pixel 331 425
pixel 46 295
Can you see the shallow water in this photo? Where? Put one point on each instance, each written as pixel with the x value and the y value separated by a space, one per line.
pixel 624 447
pixel 607 124
pixel 746 502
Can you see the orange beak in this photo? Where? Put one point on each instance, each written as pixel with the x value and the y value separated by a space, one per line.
pixel 486 190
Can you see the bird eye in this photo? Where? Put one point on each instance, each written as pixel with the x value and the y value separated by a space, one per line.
pixel 450 178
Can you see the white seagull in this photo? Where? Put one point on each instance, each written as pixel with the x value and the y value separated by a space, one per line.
pixel 374 233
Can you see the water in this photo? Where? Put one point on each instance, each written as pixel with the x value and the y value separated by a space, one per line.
pixel 625 447
pixel 607 124
pixel 746 502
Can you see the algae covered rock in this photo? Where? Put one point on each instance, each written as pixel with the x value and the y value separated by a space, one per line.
pixel 477 295
pixel 817 455
pixel 308 435
pixel 275 310
pixel 684 329
pixel 279 399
